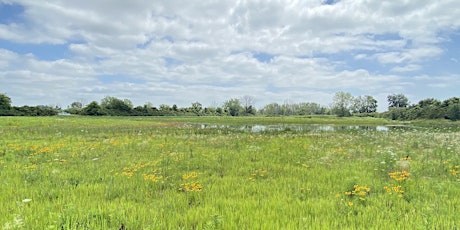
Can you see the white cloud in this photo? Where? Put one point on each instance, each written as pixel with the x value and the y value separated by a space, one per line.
pixel 407 68
pixel 174 51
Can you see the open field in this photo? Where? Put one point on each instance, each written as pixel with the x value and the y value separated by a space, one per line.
pixel 175 173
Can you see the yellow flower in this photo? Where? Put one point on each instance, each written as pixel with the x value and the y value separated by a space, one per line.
pixel 350 203
pixel 190 175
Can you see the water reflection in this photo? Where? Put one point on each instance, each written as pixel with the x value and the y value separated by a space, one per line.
pixel 302 128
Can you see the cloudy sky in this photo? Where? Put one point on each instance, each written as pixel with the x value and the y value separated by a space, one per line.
pixel 55 52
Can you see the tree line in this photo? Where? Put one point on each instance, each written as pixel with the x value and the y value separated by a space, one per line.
pixel 7 110
pixel 343 105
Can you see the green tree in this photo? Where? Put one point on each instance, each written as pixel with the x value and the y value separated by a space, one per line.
pixel 428 108
pixel 397 101
pixel 451 108
pixel 233 107
pixel 117 107
pixel 364 104
pixel 166 110
pixel 453 113
pixel 272 109
pixel 310 108
pixel 75 108
pixel 197 108
pixel 5 105
pixel 342 104
pixel 248 105
pixel 93 109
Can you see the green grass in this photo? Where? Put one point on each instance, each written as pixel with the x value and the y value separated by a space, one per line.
pixel 167 173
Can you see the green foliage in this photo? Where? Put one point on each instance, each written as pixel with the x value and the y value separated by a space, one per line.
pixel 75 108
pixel 233 107
pixel 426 109
pixel 342 104
pixel 453 112
pixel 93 109
pixel 397 101
pixel 167 173
pixel 5 104
pixel 364 104
pixel 117 107
pixel 295 109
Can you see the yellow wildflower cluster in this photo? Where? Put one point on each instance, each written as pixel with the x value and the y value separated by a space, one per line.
pixel 399 175
pixel 396 189
pixel 455 170
pixel 189 175
pixel 191 187
pixel 130 171
pixel 152 177
pixel 357 194
pixel 14 147
pixel 37 150
pixel 45 149
pixel 259 173
pixel 360 191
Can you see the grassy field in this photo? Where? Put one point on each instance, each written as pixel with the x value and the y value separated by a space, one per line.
pixel 171 173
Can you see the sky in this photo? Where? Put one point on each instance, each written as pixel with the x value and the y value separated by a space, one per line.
pixel 55 52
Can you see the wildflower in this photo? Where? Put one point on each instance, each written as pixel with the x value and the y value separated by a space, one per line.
pixel 394 189
pixel 27 200
pixel 350 203
pixel 399 175
pixel 190 175
pixel 191 187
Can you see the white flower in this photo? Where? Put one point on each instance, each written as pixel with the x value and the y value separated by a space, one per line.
pixel 26 200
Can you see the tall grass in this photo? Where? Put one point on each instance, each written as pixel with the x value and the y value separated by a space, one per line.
pixel 160 173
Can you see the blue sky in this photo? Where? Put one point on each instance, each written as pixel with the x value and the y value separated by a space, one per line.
pixel 170 52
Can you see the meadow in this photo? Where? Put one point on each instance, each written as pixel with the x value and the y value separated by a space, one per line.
pixel 175 173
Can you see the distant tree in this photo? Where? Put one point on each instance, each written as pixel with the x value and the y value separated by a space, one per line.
pixel 364 104
pixel 174 108
pixel 147 110
pixel 248 105
pixel 397 100
pixel 5 105
pixel 93 109
pixel 451 107
pixel 76 105
pixel 309 108
pixel 233 107
pixel 453 113
pixel 75 108
pixel 451 101
pixel 165 110
pixel 45 110
pixel 117 107
pixel 197 108
pixel 341 104
pixel 428 109
pixel 272 109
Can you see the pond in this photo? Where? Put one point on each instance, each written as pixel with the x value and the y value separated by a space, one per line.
pixel 305 127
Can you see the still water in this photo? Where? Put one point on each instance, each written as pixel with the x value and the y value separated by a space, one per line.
pixel 302 128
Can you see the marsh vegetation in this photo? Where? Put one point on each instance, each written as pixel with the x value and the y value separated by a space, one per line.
pixel 203 173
